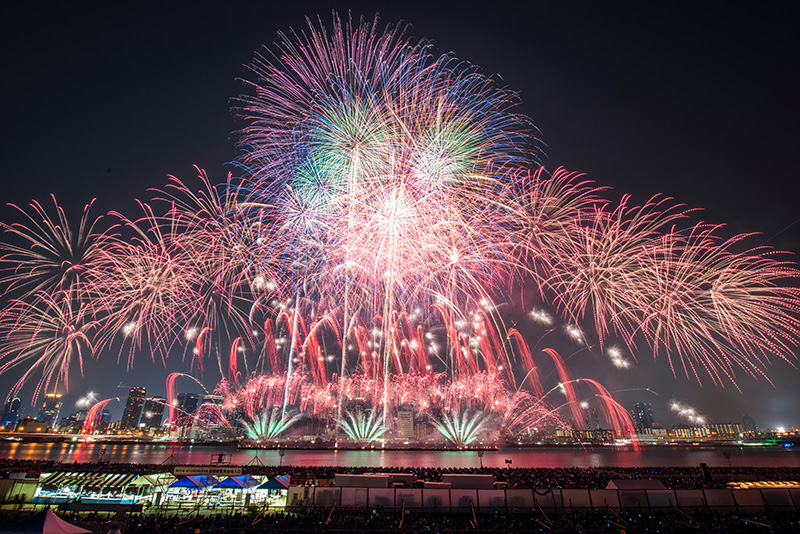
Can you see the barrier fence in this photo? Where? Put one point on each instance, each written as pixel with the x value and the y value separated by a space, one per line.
pixel 548 501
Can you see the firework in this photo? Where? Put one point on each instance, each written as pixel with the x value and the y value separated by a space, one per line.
pixel 94 415
pixel 528 413
pixel 48 335
pixel 595 274
pixel 461 429
pixel 46 254
pixel 86 402
pixel 362 427
pixel 714 309
pixel 686 413
pixel 380 166
pixel 267 425
pixel 212 420
pixel 391 202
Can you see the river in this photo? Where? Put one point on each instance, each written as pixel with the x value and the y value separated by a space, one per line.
pixel 140 453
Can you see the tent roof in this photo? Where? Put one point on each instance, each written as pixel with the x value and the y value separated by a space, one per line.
pixel 89 478
pixel 195 481
pixel 238 482
pixel 281 482
pixel 45 522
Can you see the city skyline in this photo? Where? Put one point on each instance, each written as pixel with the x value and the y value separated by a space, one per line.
pixel 150 409
pixel 646 373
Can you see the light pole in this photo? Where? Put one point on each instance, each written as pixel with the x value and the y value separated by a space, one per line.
pixel 281 452
pixel 480 457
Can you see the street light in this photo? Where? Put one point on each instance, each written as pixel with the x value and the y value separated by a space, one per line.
pixel 281 452
pixel 480 457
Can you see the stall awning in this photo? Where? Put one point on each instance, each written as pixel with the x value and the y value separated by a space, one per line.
pixel 89 479
pixel 281 482
pixel 196 481
pixel 239 482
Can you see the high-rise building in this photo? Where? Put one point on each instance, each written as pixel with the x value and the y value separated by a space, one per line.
pixel 724 430
pixel 642 415
pixel 188 403
pixel 133 408
pixel 749 424
pixel 11 412
pixel 212 399
pixel 591 419
pixel 153 412
pixel 50 408
pixel 405 423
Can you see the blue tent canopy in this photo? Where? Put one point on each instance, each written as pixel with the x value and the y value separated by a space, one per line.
pixel 239 482
pixel 195 481
pixel 281 483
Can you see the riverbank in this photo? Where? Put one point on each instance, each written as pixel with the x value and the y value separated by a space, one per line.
pixel 690 477
pixel 549 457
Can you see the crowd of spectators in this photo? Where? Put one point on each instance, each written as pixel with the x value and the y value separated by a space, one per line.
pixel 350 520
pixel 347 521
pixel 516 477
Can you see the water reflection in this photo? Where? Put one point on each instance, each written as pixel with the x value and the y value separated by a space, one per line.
pixel 539 457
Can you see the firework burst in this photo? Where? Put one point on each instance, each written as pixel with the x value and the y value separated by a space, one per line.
pixel 268 425
pixel 362 427
pixel 463 428
pixel 391 201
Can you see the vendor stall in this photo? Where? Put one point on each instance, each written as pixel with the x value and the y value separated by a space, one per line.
pixel 189 488
pixel 273 491
pixel 88 487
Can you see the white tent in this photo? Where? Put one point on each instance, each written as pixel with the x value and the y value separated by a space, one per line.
pixel 45 522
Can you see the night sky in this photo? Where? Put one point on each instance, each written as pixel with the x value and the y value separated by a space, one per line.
pixel 103 101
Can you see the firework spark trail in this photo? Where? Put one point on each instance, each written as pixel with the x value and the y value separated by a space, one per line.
pixel 47 254
pixel 397 150
pixel 528 365
pixel 268 425
pixel 463 428
pixel 172 397
pixel 567 383
pixel 548 213
pixel 596 269
pixel 380 179
pixel 616 416
pixel 687 413
pixel 94 414
pixel 718 309
pixel 212 418
pixel 147 291
pixel 47 336
pixel 198 353
pixel 361 427
pixel 233 368
pixel 526 412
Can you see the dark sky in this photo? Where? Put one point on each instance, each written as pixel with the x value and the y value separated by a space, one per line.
pixel 701 104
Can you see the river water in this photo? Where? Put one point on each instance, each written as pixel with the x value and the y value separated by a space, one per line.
pixel 141 453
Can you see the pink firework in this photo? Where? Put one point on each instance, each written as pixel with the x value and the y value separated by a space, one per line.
pixel 94 415
pixel 50 334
